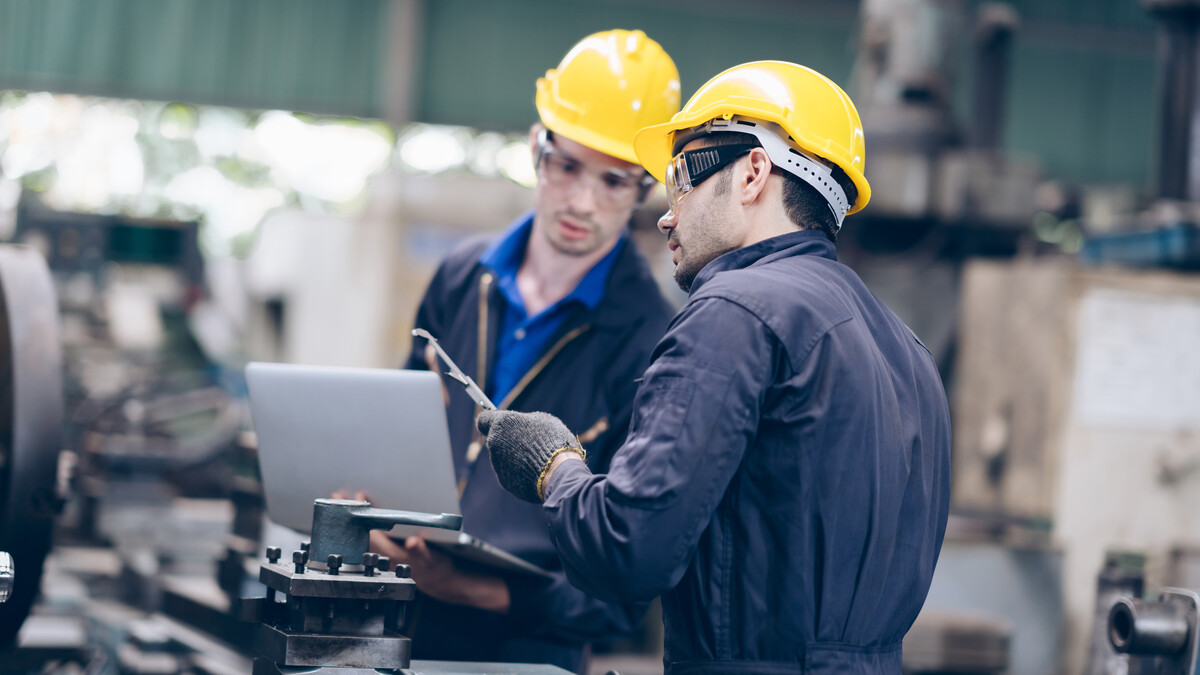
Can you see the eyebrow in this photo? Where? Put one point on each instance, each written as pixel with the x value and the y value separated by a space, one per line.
pixel 619 173
pixel 616 173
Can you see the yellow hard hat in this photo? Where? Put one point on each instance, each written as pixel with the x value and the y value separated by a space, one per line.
pixel 818 117
pixel 608 87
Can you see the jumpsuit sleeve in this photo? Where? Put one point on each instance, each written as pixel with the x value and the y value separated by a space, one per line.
pixel 557 607
pixel 552 606
pixel 630 534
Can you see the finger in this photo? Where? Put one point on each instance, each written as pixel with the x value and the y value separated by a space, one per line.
pixel 417 545
pixel 384 545
pixel 338 494
pixel 485 419
pixel 362 496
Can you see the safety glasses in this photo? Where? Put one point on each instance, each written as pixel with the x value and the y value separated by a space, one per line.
pixel 613 189
pixel 682 175
pixel 688 169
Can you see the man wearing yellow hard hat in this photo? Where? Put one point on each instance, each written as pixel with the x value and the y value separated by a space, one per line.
pixel 560 314
pixel 785 483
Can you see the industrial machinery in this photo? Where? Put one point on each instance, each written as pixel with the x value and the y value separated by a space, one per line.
pixel 1166 235
pixel 1161 636
pixel 344 612
pixel 147 414
pixel 6 576
pixel 30 428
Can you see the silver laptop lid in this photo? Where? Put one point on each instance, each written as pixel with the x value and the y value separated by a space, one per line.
pixel 323 429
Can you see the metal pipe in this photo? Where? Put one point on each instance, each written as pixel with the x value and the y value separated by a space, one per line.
pixel 1178 98
pixel 1148 628
pixel 994 29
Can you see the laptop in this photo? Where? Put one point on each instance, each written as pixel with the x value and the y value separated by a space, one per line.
pixel 383 432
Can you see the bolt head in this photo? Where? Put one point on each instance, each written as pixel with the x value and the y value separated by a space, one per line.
pixel 7 575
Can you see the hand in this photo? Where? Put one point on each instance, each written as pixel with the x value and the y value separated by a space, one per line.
pixel 438 577
pixel 522 446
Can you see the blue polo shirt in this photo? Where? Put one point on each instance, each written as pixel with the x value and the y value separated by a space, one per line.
pixel 523 338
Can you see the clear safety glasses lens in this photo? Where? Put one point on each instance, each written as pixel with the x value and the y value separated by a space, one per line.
pixel 690 168
pixel 613 189
pixel 679 182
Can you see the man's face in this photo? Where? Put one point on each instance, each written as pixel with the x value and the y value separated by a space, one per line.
pixel 584 198
pixel 701 226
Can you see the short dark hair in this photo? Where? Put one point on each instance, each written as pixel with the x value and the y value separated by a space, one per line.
pixel 805 207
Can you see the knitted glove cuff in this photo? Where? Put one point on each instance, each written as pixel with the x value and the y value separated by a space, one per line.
pixel 541 490
pixel 521 446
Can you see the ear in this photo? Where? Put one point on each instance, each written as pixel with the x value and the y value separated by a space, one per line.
pixel 752 176
pixel 534 130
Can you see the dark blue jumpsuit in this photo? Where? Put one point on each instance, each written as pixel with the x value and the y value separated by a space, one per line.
pixel 587 377
pixel 786 479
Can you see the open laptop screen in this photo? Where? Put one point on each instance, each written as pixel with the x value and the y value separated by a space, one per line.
pixel 323 429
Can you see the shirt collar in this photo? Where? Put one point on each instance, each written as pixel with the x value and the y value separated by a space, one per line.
pixel 505 254
pixel 803 242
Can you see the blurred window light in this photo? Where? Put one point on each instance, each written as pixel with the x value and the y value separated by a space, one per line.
pixel 7 120
pixel 229 211
pixel 10 193
pixel 220 132
pixel 227 167
pixel 8 113
pixel 102 163
pixel 34 114
pixel 177 121
pixel 196 187
pixel 330 161
pixel 484 150
pixel 23 158
pixel 515 161
pixel 28 124
pixel 433 149
pixel 237 217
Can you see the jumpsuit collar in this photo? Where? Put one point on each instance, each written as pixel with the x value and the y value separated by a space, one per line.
pixel 802 242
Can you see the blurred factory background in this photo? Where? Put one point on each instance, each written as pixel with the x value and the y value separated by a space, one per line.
pixel 215 181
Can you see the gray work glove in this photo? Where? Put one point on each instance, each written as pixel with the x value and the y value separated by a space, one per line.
pixel 522 446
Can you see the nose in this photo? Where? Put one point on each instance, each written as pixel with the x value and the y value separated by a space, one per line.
pixel 667 222
pixel 583 195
